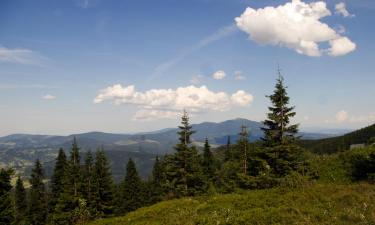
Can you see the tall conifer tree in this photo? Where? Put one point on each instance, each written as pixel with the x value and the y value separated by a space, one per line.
pixel 57 179
pixel 103 189
pixel 20 203
pixel 131 189
pixel 208 163
pixel 282 154
pixel 87 177
pixel 188 178
pixel 75 175
pixel 6 208
pixel 277 130
pixel 37 208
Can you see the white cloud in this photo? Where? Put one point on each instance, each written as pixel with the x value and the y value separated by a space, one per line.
pixel 86 3
pixel 340 8
pixel 342 116
pixel 196 79
pixel 166 103
pixel 238 75
pixel 241 98
pixel 21 56
pixel 219 75
pixel 295 25
pixel 341 46
pixel 49 97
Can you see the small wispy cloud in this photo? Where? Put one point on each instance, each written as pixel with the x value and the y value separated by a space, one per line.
pixel 219 34
pixel 238 75
pixel 22 56
pixel 340 8
pixel 86 3
pixel 196 79
pixel 219 75
pixel 48 97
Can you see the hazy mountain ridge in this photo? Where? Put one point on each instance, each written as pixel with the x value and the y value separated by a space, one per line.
pixel 23 149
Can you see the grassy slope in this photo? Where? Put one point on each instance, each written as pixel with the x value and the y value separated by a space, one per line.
pixel 317 204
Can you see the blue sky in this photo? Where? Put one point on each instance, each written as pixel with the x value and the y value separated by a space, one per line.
pixel 126 66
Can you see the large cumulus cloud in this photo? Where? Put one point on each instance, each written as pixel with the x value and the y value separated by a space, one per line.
pixel 295 25
pixel 165 103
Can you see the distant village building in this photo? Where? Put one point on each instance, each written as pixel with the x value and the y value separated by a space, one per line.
pixel 353 146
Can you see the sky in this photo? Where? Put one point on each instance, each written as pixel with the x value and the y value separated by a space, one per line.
pixel 127 66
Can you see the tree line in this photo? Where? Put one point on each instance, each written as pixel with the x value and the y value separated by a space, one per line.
pixel 81 190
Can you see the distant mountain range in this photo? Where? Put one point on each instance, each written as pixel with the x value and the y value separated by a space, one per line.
pixel 21 150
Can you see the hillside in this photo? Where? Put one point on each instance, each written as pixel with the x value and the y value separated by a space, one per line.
pixel 317 204
pixel 340 143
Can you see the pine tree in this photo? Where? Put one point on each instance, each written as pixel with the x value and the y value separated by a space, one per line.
pixel 20 204
pixel 37 208
pixel 103 189
pixel 185 129
pixel 131 189
pixel 188 178
pixel 57 179
pixel 88 183
pixel 6 208
pixel 277 130
pixel 68 199
pixel 208 162
pixel 156 184
pixel 282 154
pixel 75 169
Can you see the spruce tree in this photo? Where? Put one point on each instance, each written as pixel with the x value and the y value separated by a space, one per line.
pixel 88 183
pixel 37 207
pixel 156 183
pixel 103 189
pixel 131 189
pixel 277 130
pixel 208 162
pixel 57 179
pixel 282 154
pixel 185 129
pixel 20 204
pixel 68 199
pixel 6 207
pixel 75 169
pixel 188 178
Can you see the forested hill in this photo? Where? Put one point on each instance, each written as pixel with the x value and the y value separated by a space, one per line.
pixel 340 143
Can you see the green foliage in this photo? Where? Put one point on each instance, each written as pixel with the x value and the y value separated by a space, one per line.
pixel 130 189
pixel 103 186
pixel 81 214
pixel 277 130
pixel 186 173
pixel 37 208
pixel 311 205
pixel 208 162
pixel 341 143
pixel 57 179
pixel 6 209
pixel 74 170
pixel 20 204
